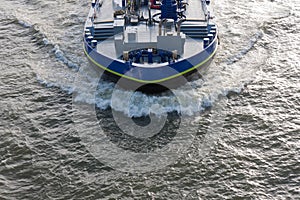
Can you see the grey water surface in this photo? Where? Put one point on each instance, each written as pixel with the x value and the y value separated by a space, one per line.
pixel 243 115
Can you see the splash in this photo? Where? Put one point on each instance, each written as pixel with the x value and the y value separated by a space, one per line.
pixel 183 101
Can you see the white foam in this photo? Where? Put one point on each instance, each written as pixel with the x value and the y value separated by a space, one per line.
pixel 59 54
pixel 24 24
pixel 141 104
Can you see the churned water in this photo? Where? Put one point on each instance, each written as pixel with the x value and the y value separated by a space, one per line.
pixel 232 134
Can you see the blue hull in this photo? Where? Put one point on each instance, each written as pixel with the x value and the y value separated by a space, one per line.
pixel 151 80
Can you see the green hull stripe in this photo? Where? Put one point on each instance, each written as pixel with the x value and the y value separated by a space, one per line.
pixel 154 81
